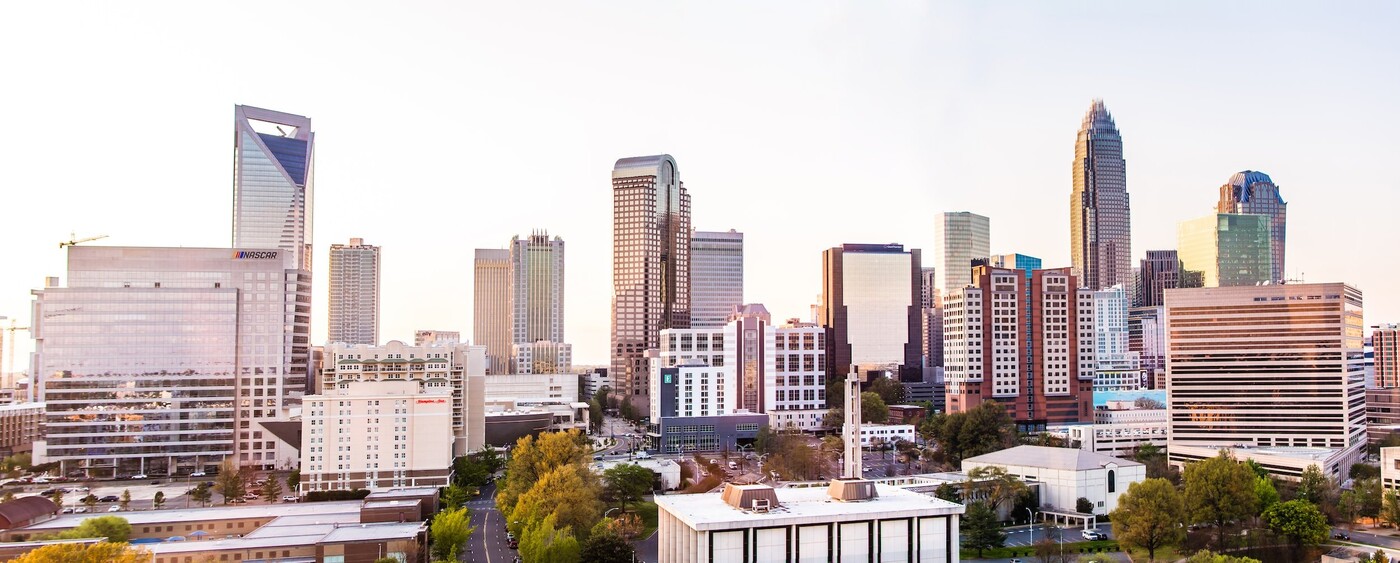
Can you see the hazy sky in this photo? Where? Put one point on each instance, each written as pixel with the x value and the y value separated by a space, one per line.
pixel 444 127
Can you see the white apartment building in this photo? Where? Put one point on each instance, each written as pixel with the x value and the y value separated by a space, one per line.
pixel 703 390
pixel 877 434
pixel 533 388
pixel 378 433
pixel 354 297
pixel 429 337
pixel 1273 370
pixel 457 368
pixel 1119 368
pixel 1390 468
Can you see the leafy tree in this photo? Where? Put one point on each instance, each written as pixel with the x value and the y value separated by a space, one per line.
pixel 1155 458
pixel 90 501
pixel 948 492
pixel 1219 490
pixel 114 528
pixel 1265 493
pixel 454 497
pixel 626 483
pixel 1048 547
pixel 466 471
pixel 1368 496
pixel 159 500
pixel 105 552
pixel 1084 506
pixel 1149 516
pixel 1364 471
pixel 126 499
pixel 271 490
pixel 201 494
pixel 9 496
pixel 1298 519
pixel 542 542
pixel 873 408
pixel 1380 556
pixel 449 533
pixel 980 529
pixel 595 416
pixel 490 458
pixel 996 485
pixel 17 462
pixel 1315 487
pixel 231 482
pixel 628 411
pixel 57 497
pixel 985 429
pixel 294 481
pixel 1206 556
pixel 570 494
pixel 532 458
pixel 1390 509
pixel 1258 469
pixel 890 391
pixel 605 547
pixel 1347 508
pixel 386 560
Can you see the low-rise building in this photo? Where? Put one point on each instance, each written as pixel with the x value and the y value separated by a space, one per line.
pixel 684 434
pixel 1066 474
pixel 19 427
pixel 872 435
pixel 668 473
pixel 908 414
pixel 1390 468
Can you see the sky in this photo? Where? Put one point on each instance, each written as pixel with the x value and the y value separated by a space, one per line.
pixel 445 127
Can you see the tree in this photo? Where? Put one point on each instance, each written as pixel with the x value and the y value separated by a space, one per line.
pixel 294 481
pixel 387 560
pixel 125 499
pixel 980 528
pixel 1219 490
pixel 1315 487
pixel 1390 508
pixel 1149 516
pixel 542 542
pixel 104 552
pixel 1258 468
pixel 1298 519
pixel 1155 458
pixel 985 429
pixel 948 492
pixel 1084 506
pixel 490 458
pixel 201 494
pixel 159 500
pixel 873 409
pixel 570 494
pixel 449 533
pixel 1347 508
pixel 230 483
pixel 9 496
pixel 58 497
pixel 90 501
pixel 1149 403
pixel 1364 471
pixel 1265 493
pixel 271 490
pixel 595 416
pixel 1206 556
pixel 1048 547
pixel 626 483
pixel 1368 497
pixel 605 547
pixel 532 458
pixel 454 497
pixel 114 528
pixel 890 391
pixel 995 485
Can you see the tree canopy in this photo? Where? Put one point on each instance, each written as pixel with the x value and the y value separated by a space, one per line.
pixel 980 529
pixel 542 542
pixel 449 533
pixel 1298 519
pixel 114 528
pixel 532 458
pixel 1219 490
pixel 231 482
pixel 890 390
pixel 627 483
pixel 982 430
pixel 569 494
pixel 1149 516
pixel 100 552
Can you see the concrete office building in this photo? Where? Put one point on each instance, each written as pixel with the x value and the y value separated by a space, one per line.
pixel 455 368
pixel 1383 397
pixel 20 427
pixel 716 276
pixel 959 237
pixel 354 302
pixel 379 432
pixel 1043 375
pixel 1390 468
pixel 1119 368
pixel 537 289
pixel 1100 216
pixel 799 377
pixel 1254 193
pixel 1272 372
pixel 273 155
pixel 491 312
pixel 870 307
pixel 1385 341
pixel 430 337
pixel 651 265
pixel 203 332
pixel 1016 262
pixel 1227 249
pixel 931 306
pixel 541 357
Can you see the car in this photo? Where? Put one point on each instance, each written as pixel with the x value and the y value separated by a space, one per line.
pixel 48 492
pixel 1341 536
pixel 1093 535
pixel 251 496
pixel 237 501
pixel 140 476
pixel 510 536
pixel 78 489
pixel 643 455
pixel 513 544
pixel 80 509
pixel 114 508
pixel 68 510
pixel 291 498
pixel 1014 561
pixel 109 498
pixel 597 458
pixel 197 474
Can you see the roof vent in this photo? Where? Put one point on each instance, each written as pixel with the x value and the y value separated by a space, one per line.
pixel 750 497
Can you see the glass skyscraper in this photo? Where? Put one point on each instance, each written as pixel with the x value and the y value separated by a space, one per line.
pixel 491 307
pixel 272 181
pixel 354 302
pixel 1100 219
pixel 959 237
pixel 1255 193
pixel 871 297
pixel 716 276
pixel 1227 249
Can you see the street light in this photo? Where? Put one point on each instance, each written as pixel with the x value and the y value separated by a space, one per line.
pixel 1030 519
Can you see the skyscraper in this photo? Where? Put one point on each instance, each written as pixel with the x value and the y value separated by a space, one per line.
pixel 537 288
pixel 272 181
pixel 651 265
pixel 491 307
pixel 354 302
pixel 1226 249
pixel 1254 193
pixel 1118 367
pixel 1385 339
pixel 959 237
pixel 1100 220
pixel 931 304
pixel 716 276
pixel 1160 271
pixel 1016 262
pixel 871 297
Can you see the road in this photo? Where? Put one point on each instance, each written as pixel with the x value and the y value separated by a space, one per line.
pixel 1021 536
pixel 488 544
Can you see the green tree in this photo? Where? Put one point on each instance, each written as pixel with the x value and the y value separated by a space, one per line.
pixel 1206 556
pixel 231 482
pixel 104 552
pixel 873 408
pixel 595 416
pixel 1390 508
pixel 467 471
pixel 159 500
pixel 948 492
pixel 57 497
pixel 201 494
pixel 542 542
pixel 980 529
pixel 1155 458
pixel 532 458
pixel 294 481
pixel 994 484
pixel 449 533
pixel 114 528
pixel 126 499
pixel 1347 508
pixel 1265 493
pixel 982 430
pixel 1219 490
pixel 1083 505
pixel 890 390
pixel 627 483
pixel 490 458
pixel 1364 471
pixel 1149 516
pixel 605 547
pixel 1368 497
pixel 386 560
pixel 1298 519
pixel 454 497
pixel 1258 468
pixel 271 490
pixel 17 462
pixel 90 501
pixel 1315 487
pixel 569 493
pixel 9 496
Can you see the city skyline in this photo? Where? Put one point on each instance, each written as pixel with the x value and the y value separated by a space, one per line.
pixel 1185 136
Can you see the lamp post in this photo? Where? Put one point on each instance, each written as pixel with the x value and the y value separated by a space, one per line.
pixel 1030 518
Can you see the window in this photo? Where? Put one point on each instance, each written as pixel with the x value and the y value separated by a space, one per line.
pixel 1112 482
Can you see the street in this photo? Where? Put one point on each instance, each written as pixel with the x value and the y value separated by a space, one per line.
pixel 488 544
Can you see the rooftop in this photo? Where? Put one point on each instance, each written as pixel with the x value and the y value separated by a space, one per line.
pixel 798 506
pixel 1049 458
pixel 372 532
pixel 327 510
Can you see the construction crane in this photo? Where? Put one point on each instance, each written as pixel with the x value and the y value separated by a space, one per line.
pixel 9 350
pixel 74 240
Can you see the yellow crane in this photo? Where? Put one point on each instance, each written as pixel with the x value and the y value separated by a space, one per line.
pixel 74 240
pixel 9 350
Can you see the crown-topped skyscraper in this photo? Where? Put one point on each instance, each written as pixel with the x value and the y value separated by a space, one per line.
pixel 1100 219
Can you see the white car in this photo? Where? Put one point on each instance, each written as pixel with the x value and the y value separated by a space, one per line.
pixel 114 508
pixel 80 509
pixel 291 499
pixel 197 474
pixel 140 476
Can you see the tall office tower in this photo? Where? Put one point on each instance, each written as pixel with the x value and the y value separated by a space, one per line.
pixel 541 357
pixel 985 346
pixel 1385 341
pixel 491 307
pixel 870 307
pixel 431 337
pixel 159 361
pixel 354 310
pixel 1119 368
pixel 959 237
pixel 1254 193
pixel 1100 219
pixel 716 276
pixel 1226 249
pixel 651 265
pixel 537 289
pixel 1147 339
pixel 1016 262
pixel 272 181
pixel 1274 368
pixel 752 328
pixel 1160 271
pixel 931 305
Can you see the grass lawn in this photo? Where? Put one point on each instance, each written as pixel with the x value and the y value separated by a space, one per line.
pixel 647 510
pixel 1163 554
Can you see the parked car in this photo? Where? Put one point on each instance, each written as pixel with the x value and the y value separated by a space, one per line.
pixel 1093 535
pixel 110 498
pixel 291 498
pixel 513 544
pixel 197 474
pixel 80 509
pixel 114 508
pixel 597 458
pixel 237 501
pixel 251 496
pixel 1342 536
pixel 68 510
pixel 48 492
pixel 140 476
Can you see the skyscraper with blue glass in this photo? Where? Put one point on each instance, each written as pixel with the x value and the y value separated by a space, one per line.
pixel 272 187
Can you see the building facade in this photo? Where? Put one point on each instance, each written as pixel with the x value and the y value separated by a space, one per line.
pixel 1160 271
pixel 716 276
pixel 541 357
pixel 491 312
pixel 651 265
pixel 1100 216
pixel 430 337
pixel 931 305
pixel 537 289
pixel 1119 368
pixel 1385 341
pixel 1274 366
pixel 1067 475
pixel 1254 193
pixel 959 237
pixel 1226 249
pixel 870 306
pixel 354 302
pixel 378 433
pixel 273 155
pixel 1147 338
pixel 20 427
pixel 160 361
